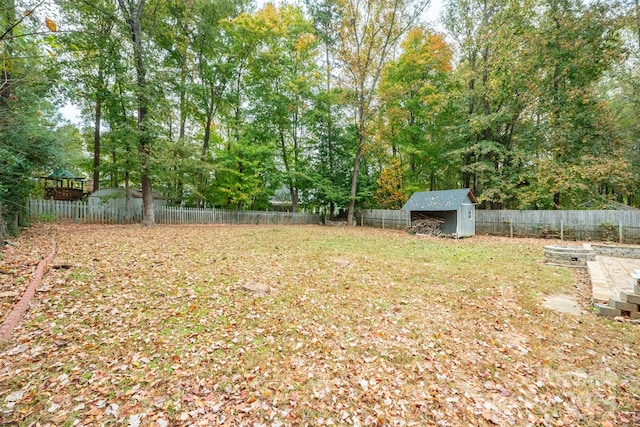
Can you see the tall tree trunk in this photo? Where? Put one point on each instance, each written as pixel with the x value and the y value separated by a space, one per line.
pixel 114 174
pixel 183 100
pixel 356 164
pixel 6 86
pixel 637 13
pixel 205 148
pixel 127 197
pixel 555 111
pixel 287 168
pixel 295 190
pixel 368 36
pixel 179 188
pixel 96 131
pixel 134 18
pixel 295 198
pixel 354 183
pixel 330 153
pixel 466 174
pixel 556 201
pixel 237 104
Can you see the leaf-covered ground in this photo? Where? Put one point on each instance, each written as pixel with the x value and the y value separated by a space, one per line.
pixel 18 262
pixel 361 327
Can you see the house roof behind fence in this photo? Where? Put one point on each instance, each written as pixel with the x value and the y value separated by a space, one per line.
pixel 445 200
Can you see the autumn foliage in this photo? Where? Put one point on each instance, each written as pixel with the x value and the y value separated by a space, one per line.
pixel 390 193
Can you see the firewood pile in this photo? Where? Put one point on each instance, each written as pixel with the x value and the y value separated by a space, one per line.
pixel 426 225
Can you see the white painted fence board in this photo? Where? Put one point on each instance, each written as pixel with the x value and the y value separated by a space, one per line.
pixel 80 212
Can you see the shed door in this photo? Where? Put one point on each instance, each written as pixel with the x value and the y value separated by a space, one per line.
pixel 467 220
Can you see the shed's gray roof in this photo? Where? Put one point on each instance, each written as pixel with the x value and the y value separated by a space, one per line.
pixel 445 200
pixel 117 192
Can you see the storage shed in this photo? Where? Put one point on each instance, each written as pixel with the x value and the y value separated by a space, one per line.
pixel 456 207
pixel 111 199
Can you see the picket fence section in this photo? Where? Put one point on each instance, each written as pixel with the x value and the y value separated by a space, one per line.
pixel 53 210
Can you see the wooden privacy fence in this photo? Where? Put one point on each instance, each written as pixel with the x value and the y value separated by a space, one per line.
pixel 606 225
pixel 384 218
pixel 52 210
pixel 601 225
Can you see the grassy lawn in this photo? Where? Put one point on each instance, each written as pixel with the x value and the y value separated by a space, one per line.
pixel 362 327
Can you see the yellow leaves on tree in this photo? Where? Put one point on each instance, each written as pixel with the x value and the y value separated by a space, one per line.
pixel 305 42
pixel 390 184
pixel 51 25
pixel 277 22
pixel 427 50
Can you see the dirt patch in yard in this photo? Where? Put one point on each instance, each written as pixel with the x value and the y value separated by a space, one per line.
pixel 562 303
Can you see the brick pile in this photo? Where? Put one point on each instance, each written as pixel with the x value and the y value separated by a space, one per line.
pixel 21 307
pixel 627 304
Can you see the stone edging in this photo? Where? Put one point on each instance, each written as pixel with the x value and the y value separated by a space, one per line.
pixel 568 256
pixel 620 251
pixel 21 307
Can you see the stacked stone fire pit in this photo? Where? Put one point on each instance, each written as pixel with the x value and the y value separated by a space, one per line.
pixel 568 256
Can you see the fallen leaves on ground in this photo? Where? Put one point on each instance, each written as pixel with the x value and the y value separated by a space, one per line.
pixel 18 261
pixel 360 327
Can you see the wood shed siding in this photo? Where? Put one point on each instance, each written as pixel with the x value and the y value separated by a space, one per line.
pixel 466 220
pixel 451 205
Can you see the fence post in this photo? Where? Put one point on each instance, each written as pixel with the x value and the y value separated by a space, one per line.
pixel 383 212
pixel 561 230
pixel 620 232
pixel 510 229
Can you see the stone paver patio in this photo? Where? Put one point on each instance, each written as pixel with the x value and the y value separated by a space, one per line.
pixel 610 276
